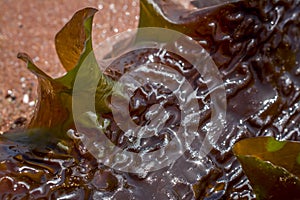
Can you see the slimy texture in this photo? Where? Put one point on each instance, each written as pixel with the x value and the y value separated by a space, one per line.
pixel 256 46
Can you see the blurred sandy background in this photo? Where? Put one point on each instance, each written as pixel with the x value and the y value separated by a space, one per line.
pixel 30 26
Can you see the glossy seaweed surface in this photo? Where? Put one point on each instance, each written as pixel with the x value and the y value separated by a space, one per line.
pixel 256 46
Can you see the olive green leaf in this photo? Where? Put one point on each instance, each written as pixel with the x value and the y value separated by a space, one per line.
pixel 70 40
pixel 73 45
pixel 53 107
pixel 154 14
pixel 170 15
pixel 272 166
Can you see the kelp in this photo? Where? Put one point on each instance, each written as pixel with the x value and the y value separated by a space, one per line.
pixel 255 45
pixel 54 104
pixel 235 40
pixel 273 167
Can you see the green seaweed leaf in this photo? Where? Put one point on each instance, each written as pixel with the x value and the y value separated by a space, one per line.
pixel 155 14
pixel 54 106
pixel 272 166
pixel 170 15
pixel 73 37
